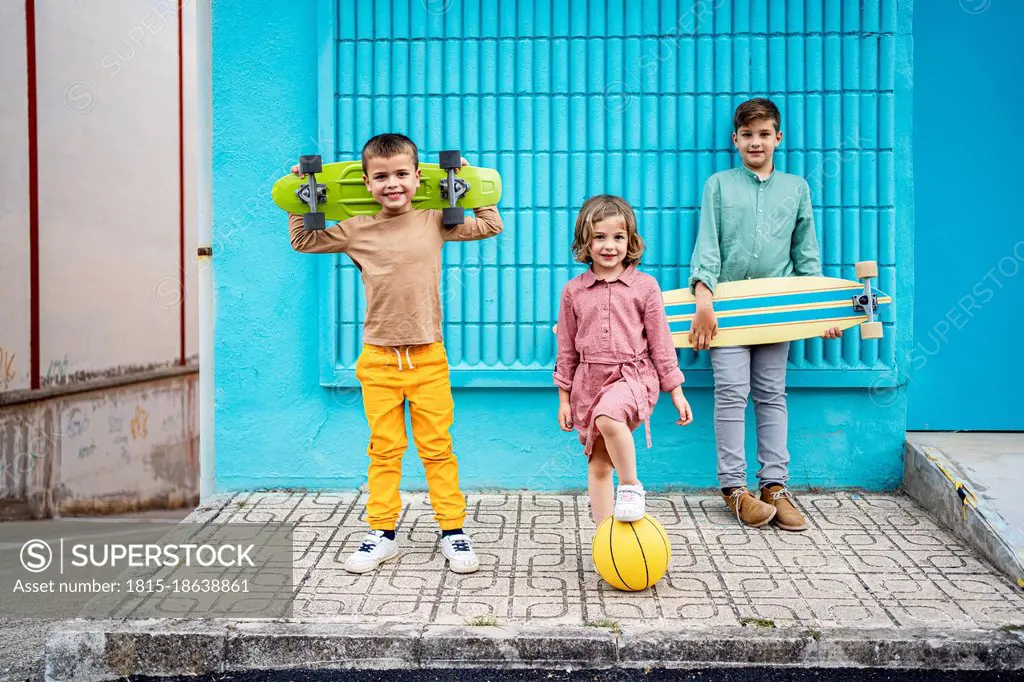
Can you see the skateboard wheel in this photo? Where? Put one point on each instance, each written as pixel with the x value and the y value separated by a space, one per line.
pixel 453 216
pixel 554 330
pixel 866 269
pixel 871 330
pixel 313 221
pixel 311 163
pixel 450 159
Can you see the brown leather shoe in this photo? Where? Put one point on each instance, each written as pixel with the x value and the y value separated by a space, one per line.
pixel 788 517
pixel 749 509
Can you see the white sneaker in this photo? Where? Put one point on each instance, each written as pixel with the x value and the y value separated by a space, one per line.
pixel 458 550
pixel 374 549
pixel 629 503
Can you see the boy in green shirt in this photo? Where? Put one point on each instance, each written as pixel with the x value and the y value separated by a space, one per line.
pixel 755 222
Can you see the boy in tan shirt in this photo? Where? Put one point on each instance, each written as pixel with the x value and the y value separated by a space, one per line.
pixel 398 253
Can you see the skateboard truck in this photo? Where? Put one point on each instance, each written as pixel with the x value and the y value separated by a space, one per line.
pixel 860 304
pixel 453 188
pixel 312 193
pixel 303 193
pixel 867 302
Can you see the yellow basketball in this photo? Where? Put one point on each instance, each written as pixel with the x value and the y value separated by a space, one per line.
pixel 631 556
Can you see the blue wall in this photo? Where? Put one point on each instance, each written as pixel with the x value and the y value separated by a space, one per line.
pixel 277 426
pixel 969 284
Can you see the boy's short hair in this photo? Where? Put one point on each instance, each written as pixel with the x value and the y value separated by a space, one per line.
pixel 387 145
pixel 755 110
pixel 596 209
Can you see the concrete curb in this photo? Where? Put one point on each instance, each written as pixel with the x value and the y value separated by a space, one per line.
pixel 925 480
pixel 90 651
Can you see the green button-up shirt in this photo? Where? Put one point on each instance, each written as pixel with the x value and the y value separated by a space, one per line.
pixel 751 228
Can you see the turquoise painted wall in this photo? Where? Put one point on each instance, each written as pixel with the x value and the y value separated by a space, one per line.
pixel 286 415
pixel 965 363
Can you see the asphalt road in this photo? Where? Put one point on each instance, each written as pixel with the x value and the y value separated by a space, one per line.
pixel 656 675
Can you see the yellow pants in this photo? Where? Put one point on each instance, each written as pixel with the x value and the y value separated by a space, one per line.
pixel 389 376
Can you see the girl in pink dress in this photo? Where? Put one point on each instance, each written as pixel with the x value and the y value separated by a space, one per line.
pixel 615 354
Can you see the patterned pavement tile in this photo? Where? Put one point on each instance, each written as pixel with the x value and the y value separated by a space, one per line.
pixel 867 560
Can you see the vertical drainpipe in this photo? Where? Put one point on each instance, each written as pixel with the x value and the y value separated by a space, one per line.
pixel 204 199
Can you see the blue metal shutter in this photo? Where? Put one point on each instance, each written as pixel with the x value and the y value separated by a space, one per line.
pixel 570 99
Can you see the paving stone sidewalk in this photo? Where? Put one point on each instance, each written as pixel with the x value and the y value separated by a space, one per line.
pixel 873 571
pixel 866 561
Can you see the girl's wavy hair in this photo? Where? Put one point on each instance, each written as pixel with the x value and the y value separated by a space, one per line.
pixel 602 207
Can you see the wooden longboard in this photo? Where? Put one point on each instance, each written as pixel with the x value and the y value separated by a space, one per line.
pixel 775 309
pixel 343 193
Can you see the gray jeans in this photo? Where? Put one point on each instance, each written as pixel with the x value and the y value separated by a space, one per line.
pixel 759 371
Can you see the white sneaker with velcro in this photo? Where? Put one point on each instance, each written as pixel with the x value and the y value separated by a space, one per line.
pixel 374 549
pixel 629 503
pixel 458 550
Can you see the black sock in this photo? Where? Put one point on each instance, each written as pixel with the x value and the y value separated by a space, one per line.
pixel 770 483
pixel 454 531
pixel 727 491
pixel 389 534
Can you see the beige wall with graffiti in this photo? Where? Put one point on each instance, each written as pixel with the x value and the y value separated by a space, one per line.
pixel 108 451
pixel 113 425
pixel 108 191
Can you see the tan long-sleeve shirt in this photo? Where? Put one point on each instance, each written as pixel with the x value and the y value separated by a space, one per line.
pixel 400 262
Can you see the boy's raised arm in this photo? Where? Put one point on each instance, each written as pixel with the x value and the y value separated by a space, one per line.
pixel 332 240
pixel 804 250
pixel 487 223
pixel 706 262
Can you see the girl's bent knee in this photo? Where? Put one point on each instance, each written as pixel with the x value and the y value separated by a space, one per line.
pixel 600 466
pixel 607 425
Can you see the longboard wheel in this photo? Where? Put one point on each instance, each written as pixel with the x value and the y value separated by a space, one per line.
pixel 313 221
pixel 453 216
pixel 451 158
pixel 311 163
pixel 871 330
pixel 866 269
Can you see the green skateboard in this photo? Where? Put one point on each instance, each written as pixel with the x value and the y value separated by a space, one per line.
pixel 340 192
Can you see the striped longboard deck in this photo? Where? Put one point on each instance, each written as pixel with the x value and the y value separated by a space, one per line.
pixel 772 310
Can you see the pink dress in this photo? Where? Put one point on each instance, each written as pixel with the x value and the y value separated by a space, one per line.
pixel 615 351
